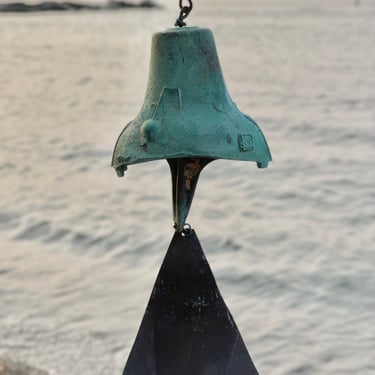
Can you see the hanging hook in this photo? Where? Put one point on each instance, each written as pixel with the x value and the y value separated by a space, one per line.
pixel 184 12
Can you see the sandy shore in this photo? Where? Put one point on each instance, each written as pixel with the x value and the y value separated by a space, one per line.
pixel 8 367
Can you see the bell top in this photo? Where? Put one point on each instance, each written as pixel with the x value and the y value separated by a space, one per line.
pixel 187 111
pixel 185 59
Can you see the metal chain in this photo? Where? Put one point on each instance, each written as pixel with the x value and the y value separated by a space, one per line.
pixel 184 12
pixel 186 232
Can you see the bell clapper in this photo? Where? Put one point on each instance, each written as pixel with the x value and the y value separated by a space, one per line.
pixel 185 173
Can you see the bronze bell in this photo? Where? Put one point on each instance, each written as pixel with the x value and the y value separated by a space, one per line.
pixel 189 119
pixel 188 116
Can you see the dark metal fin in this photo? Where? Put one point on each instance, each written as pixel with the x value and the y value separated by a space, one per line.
pixel 187 329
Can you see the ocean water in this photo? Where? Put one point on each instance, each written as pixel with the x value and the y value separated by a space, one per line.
pixel 291 246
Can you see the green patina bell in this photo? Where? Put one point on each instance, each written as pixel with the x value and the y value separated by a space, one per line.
pixel 188 116
pixel 189 119
pixel 187 111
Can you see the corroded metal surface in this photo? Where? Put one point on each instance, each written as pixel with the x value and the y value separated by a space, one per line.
pixel 187 329
pixel 189 119
pixel 187 111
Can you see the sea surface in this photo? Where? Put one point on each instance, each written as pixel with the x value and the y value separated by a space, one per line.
pixel 291 246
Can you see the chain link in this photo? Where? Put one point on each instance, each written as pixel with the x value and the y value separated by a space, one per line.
pixel 184 12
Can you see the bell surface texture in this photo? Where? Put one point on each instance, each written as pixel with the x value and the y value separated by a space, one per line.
pixel 187 329
pixel 187 111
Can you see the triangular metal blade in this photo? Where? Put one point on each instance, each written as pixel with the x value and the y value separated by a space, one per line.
pixel 187 329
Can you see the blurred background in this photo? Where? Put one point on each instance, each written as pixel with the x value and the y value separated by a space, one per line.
pixel 291 246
